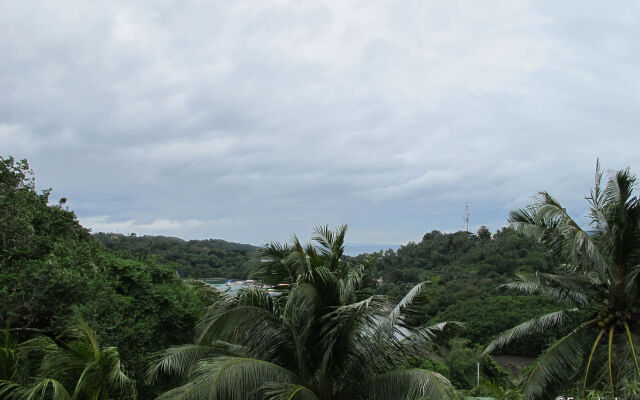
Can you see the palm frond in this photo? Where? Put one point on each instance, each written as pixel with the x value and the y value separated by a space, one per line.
pixel 88 378
pixel 255 297
pixel 180 360
pixel 300 312
pixel 565 288
pixel 405 302
pixel 259 330
pixel 8 363
pixel 331 243
pixel 597 203
pixel 547 221
pixel 346 334
pixel 287 391
pixel 302 303
pixel 44 388
pixel 205 328
pixel 325 238
pixel 85 336
pixel 558 364
pixel 349 281
pixel 300 257
pixel 53 361
pixel 11 390
pixel 338 247
pixel 37 346
pixel 530 327
pixel 409 384
pixel 78 361
pixel 323 278
pixel 229 378
pixel 416 343
pixel 271 264
pixel 110 362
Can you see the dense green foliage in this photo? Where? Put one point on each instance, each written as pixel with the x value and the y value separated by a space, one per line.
pixel 316 340
pixel 51 270
pixel 486 256
pixel 597 280
pixel 468 270
pixel 35 240
pixel 73 366
pixel 193 259
pixel 342 327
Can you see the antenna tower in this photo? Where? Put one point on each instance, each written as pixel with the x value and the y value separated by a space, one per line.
pixel 465 217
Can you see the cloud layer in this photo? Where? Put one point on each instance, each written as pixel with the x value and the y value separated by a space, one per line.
pixel 251 120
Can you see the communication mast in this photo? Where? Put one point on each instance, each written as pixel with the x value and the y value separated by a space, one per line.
pixel 465 217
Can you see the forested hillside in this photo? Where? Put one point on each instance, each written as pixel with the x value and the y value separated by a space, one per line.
pixel 193 258
pixel 467 271
pixel 54 275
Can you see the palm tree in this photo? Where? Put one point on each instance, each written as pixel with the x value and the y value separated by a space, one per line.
pixel 596 279
pixel 314 341
pixel 8 366
pixel 74 368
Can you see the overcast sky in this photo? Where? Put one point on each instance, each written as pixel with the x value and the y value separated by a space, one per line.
pixel 251 120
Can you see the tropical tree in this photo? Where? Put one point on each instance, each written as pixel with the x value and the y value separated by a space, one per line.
pixel 316 340
pixel 596 278
pixel 71 367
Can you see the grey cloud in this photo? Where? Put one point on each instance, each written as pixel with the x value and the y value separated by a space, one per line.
pixel 251 120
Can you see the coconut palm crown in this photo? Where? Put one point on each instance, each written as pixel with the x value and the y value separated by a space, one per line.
pixel 314 341
pixel 597 279
pixel 73 366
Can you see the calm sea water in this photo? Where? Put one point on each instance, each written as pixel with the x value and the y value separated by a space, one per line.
pixel 222 286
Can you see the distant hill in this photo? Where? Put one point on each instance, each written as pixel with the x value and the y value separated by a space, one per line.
pixel 193 258
pixel 354 249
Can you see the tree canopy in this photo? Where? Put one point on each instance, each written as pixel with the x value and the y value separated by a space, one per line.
pixel 316 340
pixel 192 259
pixel 52 272
pixel 596 279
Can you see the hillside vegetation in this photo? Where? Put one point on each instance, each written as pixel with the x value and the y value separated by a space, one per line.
pixel 83 315
pixel 192 259
pixel 53 274
pixel 467 271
